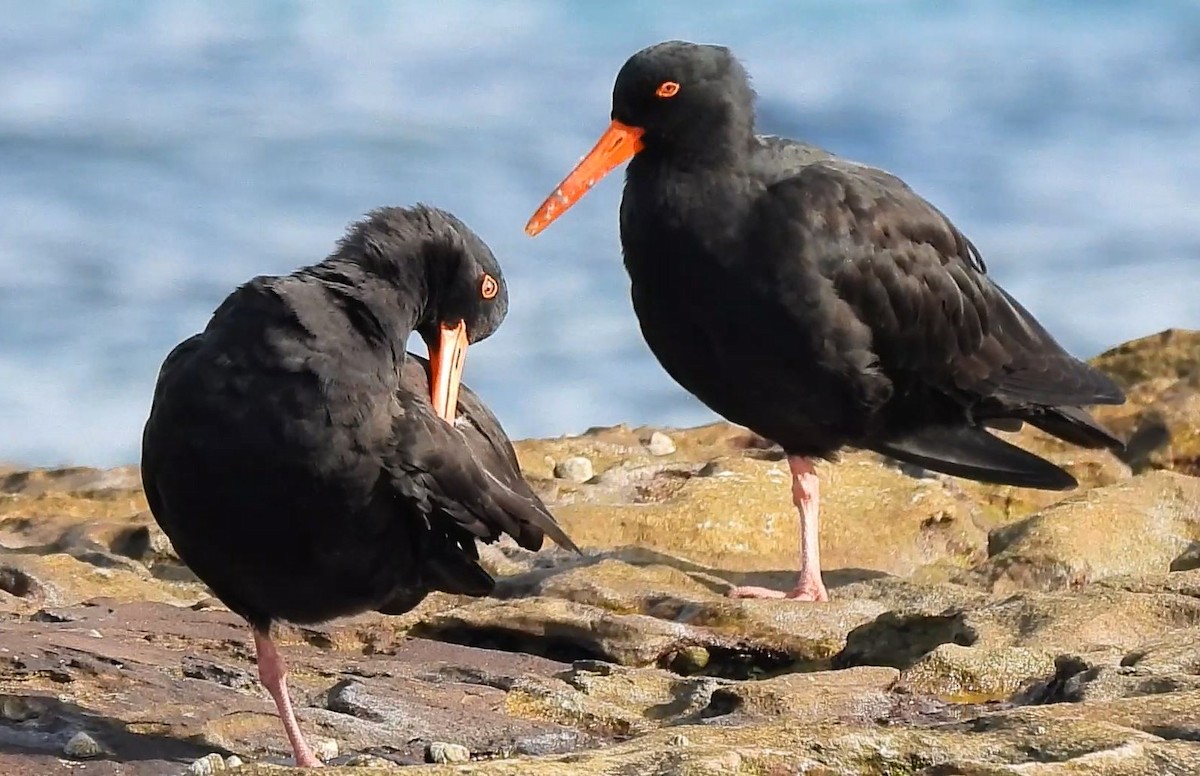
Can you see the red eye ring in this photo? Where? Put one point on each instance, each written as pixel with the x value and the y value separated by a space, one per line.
pixel 488 288
pixel 667 89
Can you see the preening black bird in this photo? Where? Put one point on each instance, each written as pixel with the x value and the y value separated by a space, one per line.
pixel 306 467
pixel 820 302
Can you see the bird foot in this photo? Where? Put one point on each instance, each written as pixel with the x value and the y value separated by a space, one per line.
pixel 309 761
pixel 803 592
pixel 755 592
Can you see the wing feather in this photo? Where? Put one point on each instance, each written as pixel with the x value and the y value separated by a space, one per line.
pixel 470 479
pixel 937 319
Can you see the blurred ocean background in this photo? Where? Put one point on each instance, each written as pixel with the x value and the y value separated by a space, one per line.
pixel 153 155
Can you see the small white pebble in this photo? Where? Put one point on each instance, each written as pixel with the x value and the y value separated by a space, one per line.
pixel 442 752
pixel 82 746
pixel 660 444
pixel 325 749
pixel 207 765
pixel 95 634
pixel 679 739
pixel 233 761
pixel 576 469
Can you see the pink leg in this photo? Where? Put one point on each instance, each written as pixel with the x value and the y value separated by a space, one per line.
pixel 806 495
pixel 273 674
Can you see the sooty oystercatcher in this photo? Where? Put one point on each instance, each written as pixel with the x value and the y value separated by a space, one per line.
pixel 306 467
pixel 819 302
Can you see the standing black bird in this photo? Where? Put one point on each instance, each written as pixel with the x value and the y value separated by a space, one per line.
pixel 304 465
pixel 819 302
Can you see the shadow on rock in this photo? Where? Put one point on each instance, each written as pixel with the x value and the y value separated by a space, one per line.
pixel 42 725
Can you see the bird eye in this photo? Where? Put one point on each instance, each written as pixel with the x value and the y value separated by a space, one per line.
pixel 489 287
pixel 667 89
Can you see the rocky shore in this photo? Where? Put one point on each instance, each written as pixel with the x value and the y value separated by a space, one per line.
pixel 975 630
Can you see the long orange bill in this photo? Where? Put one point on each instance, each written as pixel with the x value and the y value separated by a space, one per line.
pixel 447 363
pixel 616 145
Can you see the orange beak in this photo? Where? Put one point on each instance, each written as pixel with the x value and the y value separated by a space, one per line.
pixel 447 361
pixel 618 144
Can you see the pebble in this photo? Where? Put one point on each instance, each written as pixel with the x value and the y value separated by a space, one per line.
pixel 576 469
pixel 207 765
pixel 233 761
pixel 325 749
pixel 17 709
pixel 677 740
pixel 442 752
pixel 82 746
pixel 660 444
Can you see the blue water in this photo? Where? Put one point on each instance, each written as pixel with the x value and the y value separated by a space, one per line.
pixel 155 154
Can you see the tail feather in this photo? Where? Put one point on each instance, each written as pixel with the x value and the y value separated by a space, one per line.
pixel 973 453
pixel 1045 374
pixel 535 519
pixel 459 574
pixel 1074 425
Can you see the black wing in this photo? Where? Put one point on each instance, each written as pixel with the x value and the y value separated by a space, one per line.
pixel 959 351
pixel 149 468
pixel 467 472
pixel 936 318
pixel 476 422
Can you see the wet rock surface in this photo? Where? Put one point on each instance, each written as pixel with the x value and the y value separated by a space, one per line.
pixel 973 629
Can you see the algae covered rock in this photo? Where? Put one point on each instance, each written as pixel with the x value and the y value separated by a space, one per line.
pixel 974 629
pixel 854 693
pixel 1139 526
pixel 973 674
pixel 1161 419
pixel 731 510
pixel 1172 354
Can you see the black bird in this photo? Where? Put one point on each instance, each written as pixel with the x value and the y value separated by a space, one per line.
pixel 306 467
pixel 818 301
